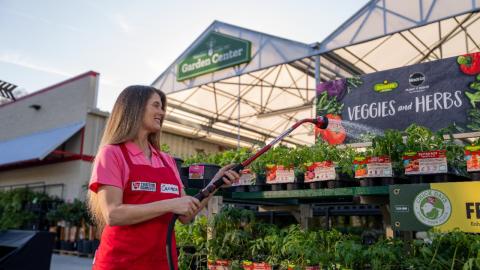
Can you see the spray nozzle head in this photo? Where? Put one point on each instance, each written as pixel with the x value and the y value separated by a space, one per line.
pixel 321 122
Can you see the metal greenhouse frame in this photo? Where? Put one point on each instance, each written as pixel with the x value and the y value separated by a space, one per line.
pixel 251 103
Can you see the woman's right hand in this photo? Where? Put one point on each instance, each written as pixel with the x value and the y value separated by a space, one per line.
pixel 185 205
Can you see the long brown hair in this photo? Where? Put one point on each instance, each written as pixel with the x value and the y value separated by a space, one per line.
pixel 122 126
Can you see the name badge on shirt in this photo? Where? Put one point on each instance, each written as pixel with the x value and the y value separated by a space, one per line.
pixel 144 186
pixel 169 188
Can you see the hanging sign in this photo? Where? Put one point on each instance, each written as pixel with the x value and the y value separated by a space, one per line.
pixel 433 94
pixel 214 52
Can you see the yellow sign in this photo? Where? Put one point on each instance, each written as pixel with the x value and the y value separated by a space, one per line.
pixel 461 203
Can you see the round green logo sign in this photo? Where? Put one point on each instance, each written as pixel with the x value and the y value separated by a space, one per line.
pixel 432 207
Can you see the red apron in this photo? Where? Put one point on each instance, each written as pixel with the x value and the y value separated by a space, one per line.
pixel 142 245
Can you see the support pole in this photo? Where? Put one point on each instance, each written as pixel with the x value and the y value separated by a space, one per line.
pixel 238 106
pixel 317 70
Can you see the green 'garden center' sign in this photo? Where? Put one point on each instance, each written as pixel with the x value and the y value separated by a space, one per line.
pixel 214 52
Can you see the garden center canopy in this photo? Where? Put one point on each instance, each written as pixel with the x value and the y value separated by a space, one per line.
pixel 254 101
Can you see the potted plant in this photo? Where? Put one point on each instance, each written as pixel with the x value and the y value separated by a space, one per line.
pixel 388 146
pixel 293 247
pixel 421 139
pixel 344 167
pixel 326 240
pixel 259 167
pixel 231 235
pixel 265 246
pixel 472 158
pixel 318 164
pixel 283 165
pixel 349 254
pixel 385 254
pixel 237 156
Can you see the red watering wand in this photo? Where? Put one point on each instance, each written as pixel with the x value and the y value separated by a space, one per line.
pixel 321 122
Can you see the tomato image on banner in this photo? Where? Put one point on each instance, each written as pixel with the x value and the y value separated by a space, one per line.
pixel 335 133
pixel 469 63
pixel 328 104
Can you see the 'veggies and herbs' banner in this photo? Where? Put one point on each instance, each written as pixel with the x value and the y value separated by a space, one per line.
pixel 434 94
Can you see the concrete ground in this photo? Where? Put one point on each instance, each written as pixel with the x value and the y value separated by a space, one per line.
pixel 69 262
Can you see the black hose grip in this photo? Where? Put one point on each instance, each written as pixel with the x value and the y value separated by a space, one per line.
pixel 217 184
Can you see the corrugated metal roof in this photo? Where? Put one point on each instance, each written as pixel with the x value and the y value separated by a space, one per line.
pixel 36 146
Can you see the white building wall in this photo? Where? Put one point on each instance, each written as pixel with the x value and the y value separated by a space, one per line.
pixel 60 106
pixel 181 146
pixel 72 174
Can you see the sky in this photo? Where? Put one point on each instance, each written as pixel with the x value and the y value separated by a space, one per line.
pixel 133 42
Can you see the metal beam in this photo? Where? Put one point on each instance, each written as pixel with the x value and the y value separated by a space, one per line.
pixel 208 118
pixel 359 59
pixel 467 35
pixel 343 63
pixel 445 38
pixel 305 106
pixel 250 84
pixel 206 128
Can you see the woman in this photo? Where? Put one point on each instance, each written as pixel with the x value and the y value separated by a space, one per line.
pixel 135 189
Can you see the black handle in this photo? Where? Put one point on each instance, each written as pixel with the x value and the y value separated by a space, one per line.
pixel 216 185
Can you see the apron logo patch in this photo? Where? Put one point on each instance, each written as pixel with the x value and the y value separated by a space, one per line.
pixel 169 188
pixel 144 186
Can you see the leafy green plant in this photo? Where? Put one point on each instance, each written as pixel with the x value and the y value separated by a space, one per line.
pixel 293 246
pixel 201 158
pixel 238 236
pixel 345 163
pixel 23 208
pixel 327 241
pixel 350 254
pixel 389 144
pixel 234 156
pixel 423 139
pixel 232 234
pixel 266 244
pixel 193 235
pixel 420 138
pixel 385 254
pixel 165 148
pixel 454 151
pixel 280 155
pixel 319 152
pixel 71 212
pixel 12 208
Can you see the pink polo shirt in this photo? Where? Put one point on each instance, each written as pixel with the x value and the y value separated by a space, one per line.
pixel 111 168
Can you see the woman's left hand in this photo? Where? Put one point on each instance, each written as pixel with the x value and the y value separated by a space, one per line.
pixel 229 176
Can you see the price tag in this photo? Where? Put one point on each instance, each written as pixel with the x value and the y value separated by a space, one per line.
pixel 472 157
pixel 247 178
pixel 320 171
pixel 196 171
pixel 371 167
pixel 278 174
pixel 429 162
